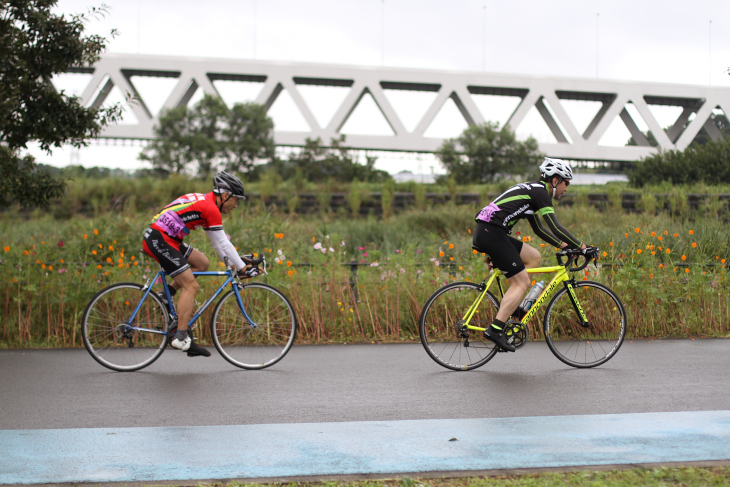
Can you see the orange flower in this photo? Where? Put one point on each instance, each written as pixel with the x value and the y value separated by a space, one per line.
pixel 473 251
pixel 451 258
pixel 15 280
pixel 109 259
pixel 25 252
pixel 626 234
pixel 610 244
pixel 691 232
pixel 111 248
pixel 461 268
pixel 469 230
pixel 62 261
pixel 451 246
pixel 131 258
pixel 684 257
pixel 638 251
pixel 542 245
pixel 85 236
pixel 43 266
pixel 651 276
pixel 676 235
pixel 694 245
pixel 668 250
pixel 96 232
pixel 98 266
pixel 135 263
pixel 687 270
pixel 660 238
pixel 653 234
pixel 101 246
pixel 50 267
pixel 637 230
pixel 524 239
pixel 661 266
pixel 93 252
pixel 666 232
pixel 6 249
pixel 120 260
pixel 291 272
pixel 722 261
pixel 441 254
pixel 652 252
pixel 445 242
pixel 288 264
pixel 106 273
pixel 38 261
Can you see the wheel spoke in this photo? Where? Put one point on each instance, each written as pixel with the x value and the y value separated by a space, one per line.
pixel 440 331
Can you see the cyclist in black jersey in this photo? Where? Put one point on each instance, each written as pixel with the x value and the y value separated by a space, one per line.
pixel 530 200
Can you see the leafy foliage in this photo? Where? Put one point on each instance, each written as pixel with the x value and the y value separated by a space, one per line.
pixel 318 163
pixel 209 135
pixel 485 153
pixel 709 163
pixel 36 44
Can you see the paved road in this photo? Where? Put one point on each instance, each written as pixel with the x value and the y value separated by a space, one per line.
pixel 53 389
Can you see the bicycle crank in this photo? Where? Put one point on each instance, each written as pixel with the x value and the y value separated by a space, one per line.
pixel 516 333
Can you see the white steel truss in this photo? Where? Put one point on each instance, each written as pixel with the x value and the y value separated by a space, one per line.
pixel 539 92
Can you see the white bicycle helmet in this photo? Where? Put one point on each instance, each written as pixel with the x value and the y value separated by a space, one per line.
pixel 556 167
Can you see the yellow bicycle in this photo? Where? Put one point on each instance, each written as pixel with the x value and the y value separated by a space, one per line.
pixel 584 324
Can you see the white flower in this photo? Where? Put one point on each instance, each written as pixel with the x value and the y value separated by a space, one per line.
pixel 331 249
pixel 402 270
pixel 432 259
pixel 437 263
pixel 317 246
pixel 279 252
pixel 342 244
pixel 324 250
pixel 374 264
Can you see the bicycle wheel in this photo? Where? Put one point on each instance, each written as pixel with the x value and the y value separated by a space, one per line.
pixel 264 340
pixel 440 327
pixel 108 337
pixel 591 345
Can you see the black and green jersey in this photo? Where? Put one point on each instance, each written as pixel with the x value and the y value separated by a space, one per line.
pixel 528 200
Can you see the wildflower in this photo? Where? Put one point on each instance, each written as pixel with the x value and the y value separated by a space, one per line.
pixel 330 249
pixel 15 280
pixel 666 232
pixel 668 250
pixel 524 239
pixel 96 232
pixel 62 261
pixel 50 267
pixel 469 230
pixel 652 252
pixel 722 261
pixel 60 243
pixel 676 235
pixel 37 261
pixel 694 245
pixel 653 234
pixel 43 266
pixel 93 252
pixel 441 254
pixel 445 242
pixel 451 258
pixel 541 245
pixel 691 232
pixel 314 239
pixel 397 251
pixel 85 236
pixel 418 251
pixel 604 253
pixel 687 270
pixel 111 248
pixel 342 244
pixel 684 257
pixel 288 264
pixel 106 273
pixel 25 252
pixel 474 250
pixel 131 258
pixel 651 276
pixel 418 271
pixel 6 249
pixel 451 246
pixel 402 270
pixel 626 234
pixel 365 254
pixel 461 268
pixel 638 251
pixel 101 246
pixel 361 248
pixel 317 246
pixel 120 261
pixel 109 259
pixel 374 264
pixel 610 244
pixel 290 272
pixel 661 266
pixel 637 230
pixel 280 252
pixel 660 238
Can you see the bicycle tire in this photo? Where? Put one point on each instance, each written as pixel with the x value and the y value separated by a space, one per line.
pixel 259 346
pixel 103 327
pixel 579 346
pixel 445 344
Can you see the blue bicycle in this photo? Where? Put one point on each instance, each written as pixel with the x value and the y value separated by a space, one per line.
pixel 126 326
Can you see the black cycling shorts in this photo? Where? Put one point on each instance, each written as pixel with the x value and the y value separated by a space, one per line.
pixel 504 250
pixel 171 254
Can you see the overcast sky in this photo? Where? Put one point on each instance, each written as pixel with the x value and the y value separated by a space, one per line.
pixel 662 41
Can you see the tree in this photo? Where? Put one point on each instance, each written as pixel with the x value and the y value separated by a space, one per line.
pixel 485 153
pixel 209 135
pixel 319 163
pixel 36 44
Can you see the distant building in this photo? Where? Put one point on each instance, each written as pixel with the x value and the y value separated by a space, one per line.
pixel 408 176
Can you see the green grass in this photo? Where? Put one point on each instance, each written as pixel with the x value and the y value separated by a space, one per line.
pixel 52 267
pixel 659 477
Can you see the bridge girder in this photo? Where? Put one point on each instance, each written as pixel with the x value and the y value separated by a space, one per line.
pixel 200 73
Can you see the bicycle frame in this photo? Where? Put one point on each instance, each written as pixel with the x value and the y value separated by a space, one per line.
pixel 561 276
pixel 162 274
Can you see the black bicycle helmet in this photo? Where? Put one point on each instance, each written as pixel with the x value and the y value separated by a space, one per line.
pixel 228 183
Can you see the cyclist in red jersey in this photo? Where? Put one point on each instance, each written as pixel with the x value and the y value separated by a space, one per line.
pixel 163 241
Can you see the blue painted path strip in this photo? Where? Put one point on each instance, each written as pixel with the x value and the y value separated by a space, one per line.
pixel 378 447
